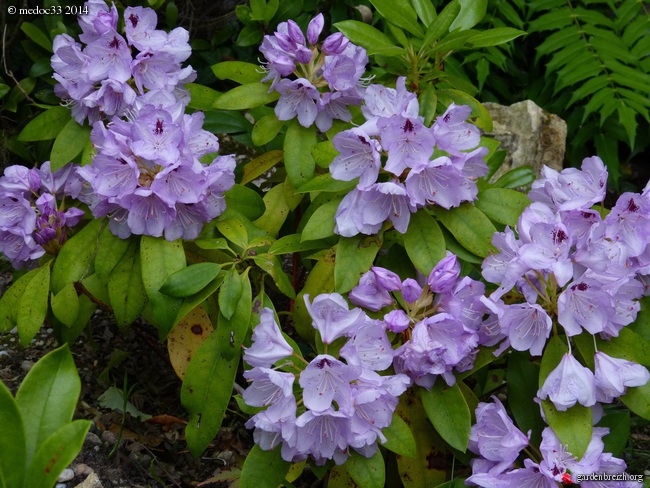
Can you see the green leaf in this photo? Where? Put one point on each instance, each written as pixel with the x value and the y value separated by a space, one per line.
pixel 159 259
pixel 190 280
pixel 638 400
pixel 65 305
pixel 553 352
pixel 516 177
pixel 427 468
pixel 125 288
pixel 522 388
pixel 238 71
pixel 225 122
pixel 210 376
pixel 246 201
pixel 47 397
pixel 264 469
pixel 321 223
pixel 471 227
pixel 260 165
pixel 399 437
pixel 277 208
pixel 372 39
pixel 11 298
pixel 273 267
pixel 627 118
pixel 628 345
pixel 56 453
pixel 327 183
pixel 424 242
pixel 68 144
pixel 32 307
pixel 45 126
pixel 471 13
pixel 425 10
pixel 298 160
pixel 230 293
pixel 573 427
pixel 265 129
pixel 401 15
pixel 293 243
pixel 246 96
pixel 233 230
pixel 201 97
pixel 448 411
pixel 189 303
pixel 494 37
pixel 354 256
pixel 440 26
pixel 110 250
pixel 37 35
pixel 618 424
pixel 75 258
pixel 12 441
pixel 367 472
pixel 502 205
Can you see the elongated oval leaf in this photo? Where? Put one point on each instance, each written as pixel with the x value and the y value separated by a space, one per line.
pixel 502 205
pixel 110 250
pixel 246 201
pixel 354 256
pixel 186 338
pixel 47 397
pixel 471 228
pixel 246 96
pixel 399 14
pixel 33 305
pixel 125 287
pixel 190 280
pixel 367 472
pixel 264 469
pixel 11 298
pixel 273 267
pixel 265 129
pixel 68 144
pixel 374 40
pixel 399 437
pixel 573 427
pixel 12 441
pixel 65 305
pixel 230 293
pixel 238 71
pixel 298 160
pixel 494 37
pixel 293 243
pixel 448 411
pixel 45 126
pixel 321 223
pixel 424 242
pixel 638 400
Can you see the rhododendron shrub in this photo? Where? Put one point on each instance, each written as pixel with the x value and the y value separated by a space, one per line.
pixel 386 302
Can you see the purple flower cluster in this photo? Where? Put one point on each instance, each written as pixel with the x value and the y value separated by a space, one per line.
pixel 342 401
pixel 567 261
pixel 146 175
pixel 96 79
pixel 442 321
pixel 499 443
pixel 31 223
pixel 337 64
pixel 402 165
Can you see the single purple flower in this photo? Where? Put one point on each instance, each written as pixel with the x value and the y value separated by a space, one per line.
pixel 326 380
pixel 443 276
pixel 614 375
pixel 298 98
pixel 314 28
pixel 584 305
pixel 407 141
pixel 411 290
pixel 371 345
pixel 360 156
pixel 332 317
pixel 451 131
pixel 268 344
pixel 569 383
pixel 268 386
pixel 369 294
pixel 527 326
pixel 397 321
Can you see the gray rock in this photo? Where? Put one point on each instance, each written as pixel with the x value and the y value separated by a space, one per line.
pixel 91 482
pixel 66 475
pixel 532 136
pixel 26 365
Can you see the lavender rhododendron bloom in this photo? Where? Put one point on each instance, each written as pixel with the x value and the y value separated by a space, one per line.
pixel 32 222
pixel 527 327
pixel 393 125
pixel 268 344
pixel 495 437
pixel 332 317
pixel 443 276
pixel 569 383
pixel 613 375
pixel 369 294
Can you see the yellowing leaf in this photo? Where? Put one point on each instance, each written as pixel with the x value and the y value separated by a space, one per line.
pixel 186 337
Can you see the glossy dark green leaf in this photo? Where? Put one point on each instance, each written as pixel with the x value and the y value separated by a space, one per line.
pixel 495 36
pixel 37 35
pixel 448 411
pixel 573 427
pixel 401 15
pixel 190 280
pixel 68 144
pixel 521 383
pixel 45 126
pixel 110 250
pixel 65 305
pixel 238 71
pixel 354 256
pixel 425 10
pixel 502 205
pixel 399 437
pixel 230 293
pixel 201 97
pixel 469 226
pixel 367 472
pixel 471 13
pixel 264 469
pixel 372 39
pixel 618 424
pixel 440 26
pixel 47 397
pixel 246 201
pixel 424 242
pixel 637 399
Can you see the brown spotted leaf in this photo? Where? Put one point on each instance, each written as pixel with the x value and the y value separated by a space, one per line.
pixel 186 337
